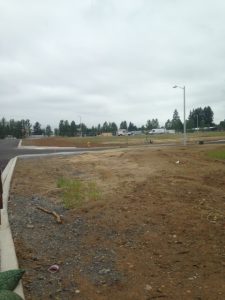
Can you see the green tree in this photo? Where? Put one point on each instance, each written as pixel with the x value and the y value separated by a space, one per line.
pixel 12 127
pixel 83 129
pixel 93 131
pixel 36 128
pixel 105 127
pixel 208 116
pixel 155 123
pixel 222 125
pixel 152 124
pixel 67 131
pixel 61 128
pixel 168 124
pixel 176 122
pixel 114 128
pixel 149 125
pixel 190 124
pixel 48 130
pixel 56 131
pixel 3 128
pixel 201 117
pixel 18 129
pixel 132 127
pixel 99 129
pixel 73 128
pixel 26 128
pixel 123 125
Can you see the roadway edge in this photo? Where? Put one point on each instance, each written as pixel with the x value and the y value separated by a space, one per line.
pixel 8 254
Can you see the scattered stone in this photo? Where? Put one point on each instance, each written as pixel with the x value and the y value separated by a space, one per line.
pixel 148 287
pixel 131 266
pixel 192 278
pixel 34 258
pixel 104 271
pixel 30 226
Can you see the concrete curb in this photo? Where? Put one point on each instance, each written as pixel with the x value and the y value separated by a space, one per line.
pixel 20 143
pixel 43 147
pixel 8 253
pixel 46 148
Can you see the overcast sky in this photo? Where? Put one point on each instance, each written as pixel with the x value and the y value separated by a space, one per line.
pixel 110 60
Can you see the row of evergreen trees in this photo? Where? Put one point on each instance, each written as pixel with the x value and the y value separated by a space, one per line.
pixel 14 128
pixel 199 117
pixel 72 129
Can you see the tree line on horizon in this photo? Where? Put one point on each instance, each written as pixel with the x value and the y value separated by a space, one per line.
pixel 199 117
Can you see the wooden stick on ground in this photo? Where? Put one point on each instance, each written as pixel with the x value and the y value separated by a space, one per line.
pixel 57 216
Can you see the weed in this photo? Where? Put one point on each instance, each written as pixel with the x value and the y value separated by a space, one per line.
pixel 93 191
pixel 218 154
pixel 62 182
pixel 76 191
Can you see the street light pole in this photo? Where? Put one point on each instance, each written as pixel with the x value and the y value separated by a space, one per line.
pixel 185 129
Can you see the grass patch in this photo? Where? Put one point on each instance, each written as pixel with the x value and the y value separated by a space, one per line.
pixel 76 191
pixel 218 154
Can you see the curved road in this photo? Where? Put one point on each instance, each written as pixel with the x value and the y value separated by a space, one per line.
pixel 8 150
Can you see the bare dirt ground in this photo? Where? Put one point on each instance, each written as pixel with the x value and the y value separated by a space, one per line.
pixel 121 141
pixel 157 230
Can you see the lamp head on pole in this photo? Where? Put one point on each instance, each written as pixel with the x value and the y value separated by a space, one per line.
pixel 180 87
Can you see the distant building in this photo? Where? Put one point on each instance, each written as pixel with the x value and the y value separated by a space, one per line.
pixel 106 134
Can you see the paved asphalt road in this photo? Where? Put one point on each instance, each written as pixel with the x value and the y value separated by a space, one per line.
pixel 8 150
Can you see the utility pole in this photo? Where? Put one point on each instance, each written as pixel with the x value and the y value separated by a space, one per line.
pixel 184 97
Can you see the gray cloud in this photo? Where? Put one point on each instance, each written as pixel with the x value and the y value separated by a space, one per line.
pixel 110 60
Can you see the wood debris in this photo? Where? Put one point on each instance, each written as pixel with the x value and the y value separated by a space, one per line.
pixel 57 216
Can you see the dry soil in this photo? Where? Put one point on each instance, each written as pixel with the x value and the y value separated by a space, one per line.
pixel 155 230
